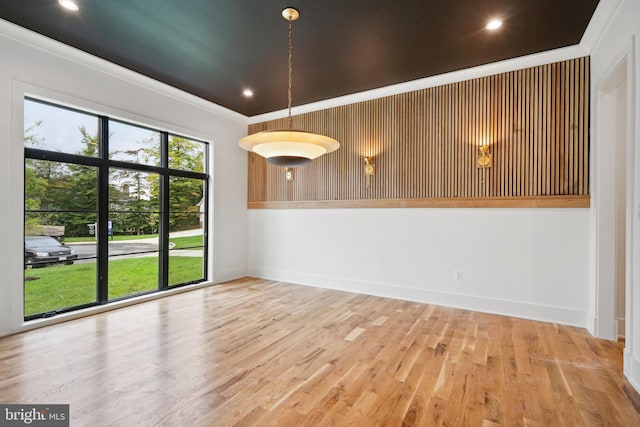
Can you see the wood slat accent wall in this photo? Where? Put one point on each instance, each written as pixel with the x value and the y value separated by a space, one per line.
pixel 424 145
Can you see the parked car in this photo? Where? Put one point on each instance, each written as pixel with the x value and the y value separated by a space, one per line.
pixel 41 251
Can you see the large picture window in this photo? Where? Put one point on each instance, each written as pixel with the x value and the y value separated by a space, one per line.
pixel 112 209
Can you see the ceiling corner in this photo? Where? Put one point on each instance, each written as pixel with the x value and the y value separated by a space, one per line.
pixel 600 21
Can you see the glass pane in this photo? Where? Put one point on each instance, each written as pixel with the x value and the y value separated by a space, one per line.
pixel 186 154
pixel 131 274
pixel 186 224
pixel 186 266
pixel 133 258
pixel 129 143
pixel 186 203
pixel 48 127
pixel 59 286
pixel 186 253
pixel 59 252
pixel 134 217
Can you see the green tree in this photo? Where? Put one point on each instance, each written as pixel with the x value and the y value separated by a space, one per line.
pixel 134 205
pixel 65 194
pixel 185 154
pixel 36 174
pixel 185 194
pixel 80 193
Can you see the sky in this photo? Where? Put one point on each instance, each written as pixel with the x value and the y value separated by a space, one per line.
pixel 60 131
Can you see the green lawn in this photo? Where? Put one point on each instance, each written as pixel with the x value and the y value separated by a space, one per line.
pixel 53 288
pixel 187 242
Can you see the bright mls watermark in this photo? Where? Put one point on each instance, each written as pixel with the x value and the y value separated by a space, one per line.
pixel 34 415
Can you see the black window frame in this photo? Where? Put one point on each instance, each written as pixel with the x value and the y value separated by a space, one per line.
pixel 104 165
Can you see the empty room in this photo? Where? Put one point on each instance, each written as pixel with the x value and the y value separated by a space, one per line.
pixel 320 213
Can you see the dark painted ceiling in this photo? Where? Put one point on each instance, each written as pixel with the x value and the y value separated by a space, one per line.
pixel 216 48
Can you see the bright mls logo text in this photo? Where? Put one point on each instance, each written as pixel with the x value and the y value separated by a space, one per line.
pixel 45 415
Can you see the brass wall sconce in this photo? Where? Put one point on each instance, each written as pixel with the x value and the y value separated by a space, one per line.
pixel 369 169
pixel 289 174
pixel 484 159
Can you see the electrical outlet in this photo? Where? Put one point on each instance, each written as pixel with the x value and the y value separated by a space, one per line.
pixel 457 275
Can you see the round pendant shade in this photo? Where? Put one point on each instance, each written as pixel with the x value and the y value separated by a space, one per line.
pixel 289 147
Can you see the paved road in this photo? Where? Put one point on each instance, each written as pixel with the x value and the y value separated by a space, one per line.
pixel 115 248
pixel 126 249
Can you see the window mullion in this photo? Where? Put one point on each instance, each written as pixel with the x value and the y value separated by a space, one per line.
pixel 163 234
pixel 103 213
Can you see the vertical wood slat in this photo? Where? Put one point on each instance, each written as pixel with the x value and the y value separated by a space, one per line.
pixel 556 146
pixel 425 143
pixel 584 141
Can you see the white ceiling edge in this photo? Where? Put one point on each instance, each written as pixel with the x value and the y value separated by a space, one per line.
pixel 600 20
pixel 38 41
pixel 548 57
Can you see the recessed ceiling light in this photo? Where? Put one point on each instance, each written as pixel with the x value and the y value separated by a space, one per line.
pixel 494 24
pixel 69 4
pixel 248 93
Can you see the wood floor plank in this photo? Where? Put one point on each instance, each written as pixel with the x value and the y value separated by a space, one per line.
pixel 263 353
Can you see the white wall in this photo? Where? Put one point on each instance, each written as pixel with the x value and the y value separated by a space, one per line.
pixel 530 263
pixel 619 41
pixel 620 206
pixel 32 64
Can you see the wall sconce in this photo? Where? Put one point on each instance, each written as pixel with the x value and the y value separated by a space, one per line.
pixel 484 159
pixel 369 169
pixel 289 174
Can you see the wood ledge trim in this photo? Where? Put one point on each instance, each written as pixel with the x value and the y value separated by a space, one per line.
pixel 579 201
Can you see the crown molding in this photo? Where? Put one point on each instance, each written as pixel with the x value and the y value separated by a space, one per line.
pixel 599 23
pixel 548 57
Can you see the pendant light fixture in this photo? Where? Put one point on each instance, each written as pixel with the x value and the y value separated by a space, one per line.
pixel 289 147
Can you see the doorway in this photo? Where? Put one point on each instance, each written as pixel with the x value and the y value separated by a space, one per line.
pixel 614 206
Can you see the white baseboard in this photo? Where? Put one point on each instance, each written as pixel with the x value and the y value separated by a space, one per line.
pixel 631 369
pixel 561 315
pixel 620 332
pixel 231 274
pixel 591 324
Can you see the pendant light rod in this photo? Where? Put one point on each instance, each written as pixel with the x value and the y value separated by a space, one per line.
pixel 290 72
pixel 290 14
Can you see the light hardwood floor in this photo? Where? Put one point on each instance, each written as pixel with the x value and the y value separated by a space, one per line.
pixel 254 352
